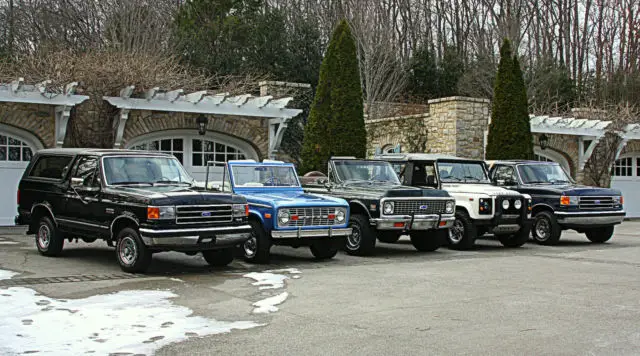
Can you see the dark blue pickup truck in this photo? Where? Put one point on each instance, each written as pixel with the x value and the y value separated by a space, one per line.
pixel 559 203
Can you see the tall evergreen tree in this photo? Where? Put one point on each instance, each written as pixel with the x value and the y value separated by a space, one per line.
pixel 336 121
pixel 510 131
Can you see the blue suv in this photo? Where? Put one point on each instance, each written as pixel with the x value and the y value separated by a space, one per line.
pixel 281 213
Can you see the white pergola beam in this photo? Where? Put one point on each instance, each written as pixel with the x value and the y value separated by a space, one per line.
pixel 126 92
pixel 195 97
pixel 151 93
pixel 40 93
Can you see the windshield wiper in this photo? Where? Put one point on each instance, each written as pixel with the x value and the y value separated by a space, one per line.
pixel 471 177
pixel 538 182
pixel 170 182
pixel 132 183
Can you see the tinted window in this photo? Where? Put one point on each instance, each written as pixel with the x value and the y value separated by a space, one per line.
pixel 505 173
pixel 51 167
pixel 86 169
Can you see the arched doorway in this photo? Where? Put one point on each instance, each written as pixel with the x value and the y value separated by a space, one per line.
pixel 16 149
pixel 548 155
pixel 194 150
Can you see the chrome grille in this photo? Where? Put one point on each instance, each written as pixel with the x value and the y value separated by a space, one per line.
pixel 420 207
pixel 596 203
pixel 203 214
pixel 311 217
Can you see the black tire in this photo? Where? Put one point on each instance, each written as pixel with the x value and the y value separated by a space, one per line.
pixel 600 235
pixel 49 240
pixel 516 240
pixel 463 233
pixel 131 253
pixel 218 258
pixel 362 241
pixel 389 237
pixel 545 229
pixel 257 249
pixel 323 249
pixel 428 241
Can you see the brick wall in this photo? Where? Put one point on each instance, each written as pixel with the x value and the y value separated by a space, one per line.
pixel 38 120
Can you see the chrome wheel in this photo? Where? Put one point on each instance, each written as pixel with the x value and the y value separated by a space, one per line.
pixel 456 232
pixel 542 229
pixel 44 237
pixel 128 250
pixel 353 240
pixel 251 246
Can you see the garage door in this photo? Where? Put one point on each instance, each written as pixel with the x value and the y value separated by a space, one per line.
pixel 15 153
pixel 626 177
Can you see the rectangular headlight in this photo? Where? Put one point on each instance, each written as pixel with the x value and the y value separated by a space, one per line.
pixel 568 200
pixel 240 210
pixel 161 212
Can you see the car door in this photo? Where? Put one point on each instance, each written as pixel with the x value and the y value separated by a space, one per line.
pixel 82 212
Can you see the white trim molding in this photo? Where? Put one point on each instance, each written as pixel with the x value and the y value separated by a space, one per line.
pixel 201 102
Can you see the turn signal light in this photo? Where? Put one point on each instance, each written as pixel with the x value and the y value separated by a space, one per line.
pixel 564 200
pixel 621 199
pixel 331 216
pixel 246 210
pixel 294 217
pixel 398 224
pixel 153 213
pixel 443 223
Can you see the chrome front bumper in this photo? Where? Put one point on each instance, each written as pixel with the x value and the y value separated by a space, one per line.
pixel 600 218
pixel 196 238
pixel 420 222
pixel 291 234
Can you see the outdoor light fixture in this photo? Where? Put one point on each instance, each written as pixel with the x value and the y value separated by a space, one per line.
pixel 202 124
pixel 543 140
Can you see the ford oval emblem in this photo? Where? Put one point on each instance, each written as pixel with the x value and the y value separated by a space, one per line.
pixel 597 201
pixel 423 207
pixel 206 213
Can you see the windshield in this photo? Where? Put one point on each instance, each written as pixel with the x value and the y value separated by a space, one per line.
pixel 543 173
pixel 145 170
pixel 465 172
pixel 353 170
pixel 264 176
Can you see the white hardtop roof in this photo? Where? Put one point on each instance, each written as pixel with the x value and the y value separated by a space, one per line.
pixel 421 157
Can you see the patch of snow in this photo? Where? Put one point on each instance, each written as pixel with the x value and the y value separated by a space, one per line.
pixel 267 280
pixel 8 243
pixel 285 270
pixel 137 322
pixel 176 280
pixel 6 274
pixel 268 305
pixel 295 277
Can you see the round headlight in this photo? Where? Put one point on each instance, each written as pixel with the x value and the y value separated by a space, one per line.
pixel 450 206
pixel 388 208
pixel 517 204
pixel 340 215
pixel 283 216
pixel 505 204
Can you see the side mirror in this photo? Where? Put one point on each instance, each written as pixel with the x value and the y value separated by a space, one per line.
pixel 499 182
pixel 76 182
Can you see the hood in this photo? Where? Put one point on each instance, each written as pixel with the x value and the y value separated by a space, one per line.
pixel 174 195
pixel 382 189
pixel 470 188
pixel 291 198
pixel 574 189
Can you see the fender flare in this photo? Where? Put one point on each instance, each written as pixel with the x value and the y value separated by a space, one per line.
pixel 47 206
pixel 125 215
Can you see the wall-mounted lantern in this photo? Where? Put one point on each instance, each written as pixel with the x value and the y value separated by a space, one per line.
pixel 202 124
pixel 543 141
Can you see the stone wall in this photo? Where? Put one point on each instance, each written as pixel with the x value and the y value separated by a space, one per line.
pixel 38 120
pixel 454 126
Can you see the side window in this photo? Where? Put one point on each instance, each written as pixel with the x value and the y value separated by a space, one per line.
pixel 86 168
pixel 504 173
pixel 50 167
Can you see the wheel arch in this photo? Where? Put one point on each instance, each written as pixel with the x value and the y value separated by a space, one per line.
pixel 121 222
pixel 538 208
pixel 358 207
pixel 38 211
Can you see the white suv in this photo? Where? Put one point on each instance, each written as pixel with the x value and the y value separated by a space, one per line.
pixel 480 207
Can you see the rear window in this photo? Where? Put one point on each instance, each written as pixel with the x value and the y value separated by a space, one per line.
pixel 51 167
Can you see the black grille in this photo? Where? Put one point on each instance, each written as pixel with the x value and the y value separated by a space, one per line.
pixel 420 207
pixel 204 214
pixel 311 217
pixel 596 203
pixel 512 209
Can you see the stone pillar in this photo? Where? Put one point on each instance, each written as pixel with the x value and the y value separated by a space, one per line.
pixel 458 126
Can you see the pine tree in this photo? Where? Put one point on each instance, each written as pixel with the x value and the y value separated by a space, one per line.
pixel 336 121
pixel 510 131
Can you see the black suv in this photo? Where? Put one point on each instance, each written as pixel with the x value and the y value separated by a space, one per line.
pixel 560 204
pixel 142 202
